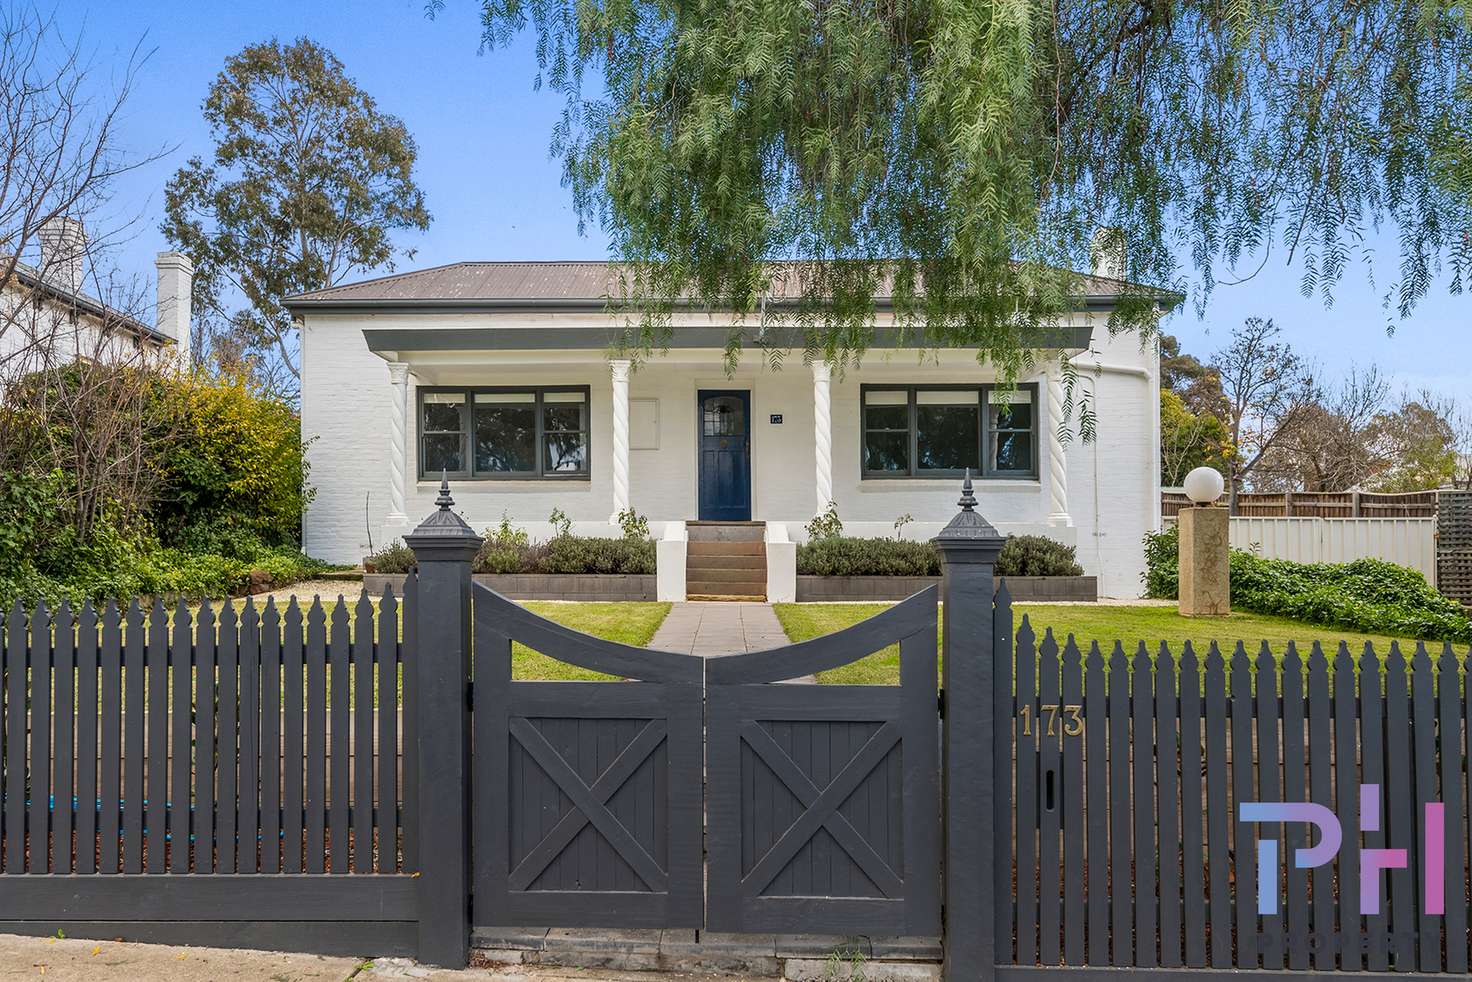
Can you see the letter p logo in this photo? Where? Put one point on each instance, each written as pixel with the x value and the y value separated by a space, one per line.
pixel 1267 849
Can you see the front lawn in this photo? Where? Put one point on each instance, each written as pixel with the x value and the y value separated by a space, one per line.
pixel 630 622
pixel 1087 622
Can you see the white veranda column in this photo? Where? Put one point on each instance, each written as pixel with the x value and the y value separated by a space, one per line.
pixel 1057 454
pixel 823 434
pixel 398 376
pixel 620 368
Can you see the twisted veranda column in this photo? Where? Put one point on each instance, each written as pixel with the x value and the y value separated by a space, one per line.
pixel 1057 453
pixel 398 376
pixel 822 435
pixel 620 368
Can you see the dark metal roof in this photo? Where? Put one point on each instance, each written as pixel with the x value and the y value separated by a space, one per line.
pixel 31 278
pixel 571 285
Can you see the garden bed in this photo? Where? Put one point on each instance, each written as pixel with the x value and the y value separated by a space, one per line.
pixel 1075 589
pixel 542 586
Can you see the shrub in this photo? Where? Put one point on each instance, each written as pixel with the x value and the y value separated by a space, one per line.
pixel 395 557
pixel 583 554
pixel 635 526
pixel 1367 595
pixel 236 467
pixel 827 525
pixel 841 556
pixel 507 549
pixel 1036 555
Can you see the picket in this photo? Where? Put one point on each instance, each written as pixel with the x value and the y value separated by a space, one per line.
pixel 1321 792
pixel 1028 742
pixel 1296 922
pixel 339 754
pixel 362 858
pixel 386 811
pixel 271 739
pixel 248 788
pixel 204 741
pixel 1372 758
pixel 87 718
pixel 1072 790
pixel 110 793
pixel 1167 770
pixel 316 791
pixel 1096 749
pixel 1050 725
pixel 1398 807
pixel 1453 790
pixel 1142 752
pixel 1193 811
pixel 1218 814
pixel 227 719
pixel 1347 804
pixel 1269 788
pixel 135 753
pixel 38 831
pixel 293 683
pixel 181 691
pixel 1423 737
pixel 1121 927
pixel 156 765
pixel 1243 789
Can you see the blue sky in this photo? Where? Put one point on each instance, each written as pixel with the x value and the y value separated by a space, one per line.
pixel 494 194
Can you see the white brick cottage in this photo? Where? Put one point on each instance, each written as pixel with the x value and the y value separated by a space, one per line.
pixel 500 374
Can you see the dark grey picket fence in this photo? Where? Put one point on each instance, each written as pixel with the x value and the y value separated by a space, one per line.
pixel 156 766
pixel 1128 848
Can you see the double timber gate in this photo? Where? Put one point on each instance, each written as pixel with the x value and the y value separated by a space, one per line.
pixel 375 780
pixel 701 795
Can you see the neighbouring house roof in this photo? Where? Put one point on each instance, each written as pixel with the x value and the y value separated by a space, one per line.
pixel 30 278
pixel 561 285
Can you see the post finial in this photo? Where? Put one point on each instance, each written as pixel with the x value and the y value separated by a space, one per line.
pixel 968 499
pixel 444 500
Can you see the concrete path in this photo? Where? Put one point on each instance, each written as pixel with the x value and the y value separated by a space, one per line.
pixel 711 630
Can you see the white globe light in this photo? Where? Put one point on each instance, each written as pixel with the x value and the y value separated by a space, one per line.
pixel 1204 485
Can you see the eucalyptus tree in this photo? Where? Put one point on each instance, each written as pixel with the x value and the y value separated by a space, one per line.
pixel 306 186
pixel 960 155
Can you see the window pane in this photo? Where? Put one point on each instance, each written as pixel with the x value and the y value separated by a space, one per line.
pixel 1012 411
pixel 886 417
pixel 505 438
pixel 442 453
pixel 886 452
pixel 505 398
pixel 886 397
pixel 563 417
pixel 947 437
pixel 442 416
pixel 1011 452
pixel 947 397
pixel 566 453
pixel 564 397
pixel 723 416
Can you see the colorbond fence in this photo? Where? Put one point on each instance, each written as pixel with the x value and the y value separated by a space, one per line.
pixel 1318 504
pixel 238 765
pixel 1123 805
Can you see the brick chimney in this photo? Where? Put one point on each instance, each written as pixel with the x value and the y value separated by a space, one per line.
pixel 63 248
pixel 175 298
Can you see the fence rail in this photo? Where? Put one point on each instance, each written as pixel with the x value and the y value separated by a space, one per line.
pixel 1130 849
pixel 1318 504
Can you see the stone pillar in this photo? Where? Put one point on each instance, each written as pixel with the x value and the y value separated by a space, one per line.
pixel 822 435
pixel 976 743
pixel 620 368
pixel 438 678
pixel 397 522
pixel 1204 544
pixel 1058 516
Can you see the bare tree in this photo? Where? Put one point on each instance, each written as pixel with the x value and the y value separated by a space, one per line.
pixel 1267 386
pixel 1338 441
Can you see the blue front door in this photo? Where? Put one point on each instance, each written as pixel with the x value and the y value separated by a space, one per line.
pixel 725 455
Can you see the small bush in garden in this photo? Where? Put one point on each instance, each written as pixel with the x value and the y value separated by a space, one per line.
pixel 393 558
pixel 507 549
pixel 1036 555
pixel 1162 563
pixel 827 525
pixel 900 523
pixel 635 526
pixel 585 554
pixel 840 556
pixel 561 524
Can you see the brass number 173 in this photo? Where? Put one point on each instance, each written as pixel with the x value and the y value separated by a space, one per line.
pixel 1073 722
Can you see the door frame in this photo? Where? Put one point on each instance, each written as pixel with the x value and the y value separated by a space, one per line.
pixel 701 394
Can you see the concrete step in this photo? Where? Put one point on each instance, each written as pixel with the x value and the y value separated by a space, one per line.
pixel 708 561
pixel 726 531
pixel 726 588
pixel 719 548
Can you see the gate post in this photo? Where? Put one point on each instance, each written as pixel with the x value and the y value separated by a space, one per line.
pixel 440 674
pixel 968 547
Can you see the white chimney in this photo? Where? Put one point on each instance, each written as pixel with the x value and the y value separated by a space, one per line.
pixel 1106 253
pixel 63 248
pixel 175 298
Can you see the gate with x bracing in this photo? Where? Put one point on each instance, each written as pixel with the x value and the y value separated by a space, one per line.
pixel 792 808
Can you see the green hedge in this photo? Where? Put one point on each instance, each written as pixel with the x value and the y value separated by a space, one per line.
pixel 1022 555
pixel 1368 595
pixel 510 551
